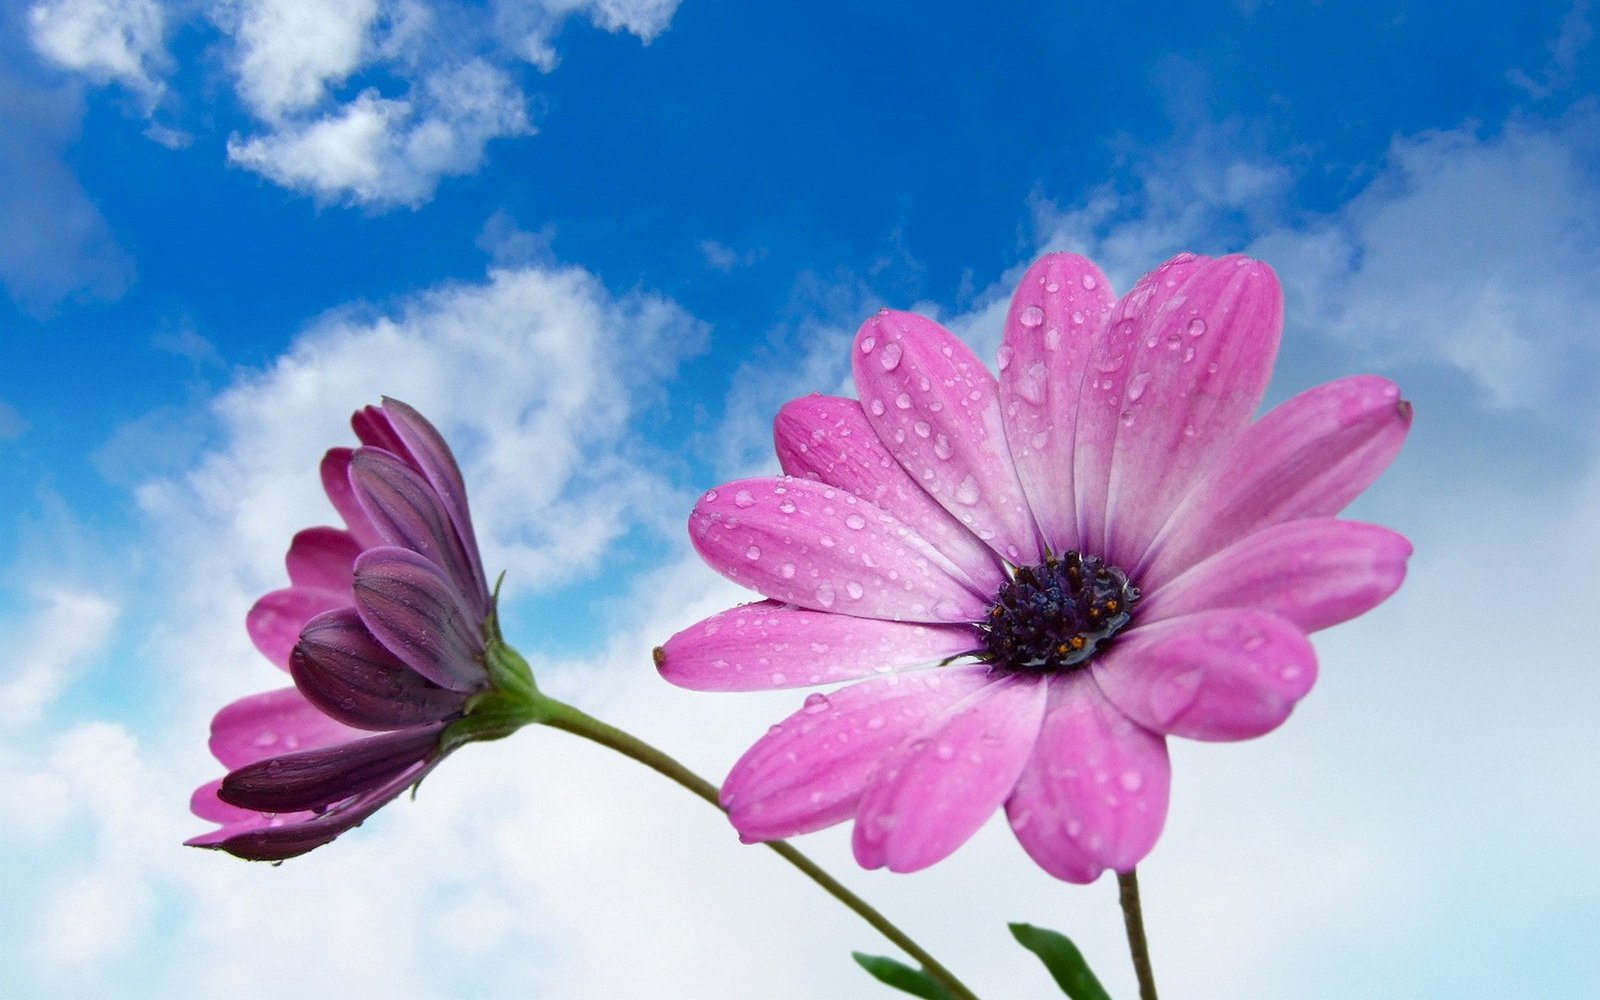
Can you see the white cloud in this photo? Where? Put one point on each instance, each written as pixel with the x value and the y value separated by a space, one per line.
pixel 380 152
pixel 70 629
pixel 1477 252
pixel 529 27
pixel 106 40
pixel 368 102
pixel 12 424
pixel 1480 253
pixel 288 52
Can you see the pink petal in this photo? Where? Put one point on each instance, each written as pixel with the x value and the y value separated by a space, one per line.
pixel 1313 574
pixel 325 776
pixel 375 430
pixel 819 547
pixel 1094 794
pixel 322 558
pixel 417 613
pixel 1307 458
pixel 934 791
pixel 1216 675
pixel 336 483
pixel 409 514
pixel 271 723
pixel 772 645
pixel 275 621
pixel 432 456
pixel 809 770
pixel 828 438
pixel 1058 315
pixel 342 669
pixel 1190 353
pixel 937 409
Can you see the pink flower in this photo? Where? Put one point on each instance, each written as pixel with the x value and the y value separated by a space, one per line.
pixel 387 631
pixel 1042 576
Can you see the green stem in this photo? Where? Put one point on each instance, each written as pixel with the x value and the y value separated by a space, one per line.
pixel 565 717
pixel 1133 918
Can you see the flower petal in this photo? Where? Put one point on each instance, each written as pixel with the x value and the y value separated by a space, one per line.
pixel 274 622
pixel 1058 314
pixel 809 770
pixel 336 483
pixel 277 836
pixel 935 790
pixel 407 513
pixel 314 779
pixel 1184 368
pixel 1307 458
pixel 322 559
pixel 809 544
pixel 937 409
pixel 770 645
pixel 433 458
pixel 272 723
pixel 349 675
pixel 828 438
pixel 417 613
pixel 1313 574
pixel 1216 675
pixel 1094 794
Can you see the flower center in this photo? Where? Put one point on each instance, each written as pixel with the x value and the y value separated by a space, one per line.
pixel 1052 617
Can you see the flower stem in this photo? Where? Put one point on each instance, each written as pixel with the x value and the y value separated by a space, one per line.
pixel 565 717
pixel 1133 918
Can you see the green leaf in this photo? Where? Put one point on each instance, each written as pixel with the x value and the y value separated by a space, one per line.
pixel 901 976
pixel 1063 959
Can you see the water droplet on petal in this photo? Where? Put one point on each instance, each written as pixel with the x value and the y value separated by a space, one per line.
pixel 903 401
pixel 752 553
pixel 1089 282
pixel 816 703
pixel 877 407
pixel 890 358
pixel 968 492
pixel 854 590
pixel 787 571
pixel 1031 317
pixel 855 521
pixel 1197 327
pixel 1137 385
pixel 868 343
pixel 824 594
pixel 744 499
pixel 941 446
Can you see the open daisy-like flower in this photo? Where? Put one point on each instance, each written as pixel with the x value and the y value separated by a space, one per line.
pixel 387 629
pixel 1040 576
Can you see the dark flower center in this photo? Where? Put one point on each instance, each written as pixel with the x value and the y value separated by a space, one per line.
pixel 1052 617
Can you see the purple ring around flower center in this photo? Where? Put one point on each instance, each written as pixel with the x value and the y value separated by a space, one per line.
pixel 1053 617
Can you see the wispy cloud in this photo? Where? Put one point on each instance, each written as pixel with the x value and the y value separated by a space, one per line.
pixel 369 102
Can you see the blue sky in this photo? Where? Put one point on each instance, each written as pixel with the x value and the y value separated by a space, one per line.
pixel 600 242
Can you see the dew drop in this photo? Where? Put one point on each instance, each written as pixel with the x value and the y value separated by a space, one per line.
pixel 876 722
pixel 1003 356
pixel 1131 781
pixel 1089 282
pixel 1137 385
pixel 752 553
pixel 1197 327
pixel 855 521
pixel 854 590
pixel 816 703
pixel 787 571
pixel 1053 287
pixel 941 446
pixel 968 492
pixel 1031 317
pixel 868 343
pixel 787 506
pixel 744 499
pixel 903 401
pixel 711 496
pixel 824 594
pixel 890 358
pixel 877 407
